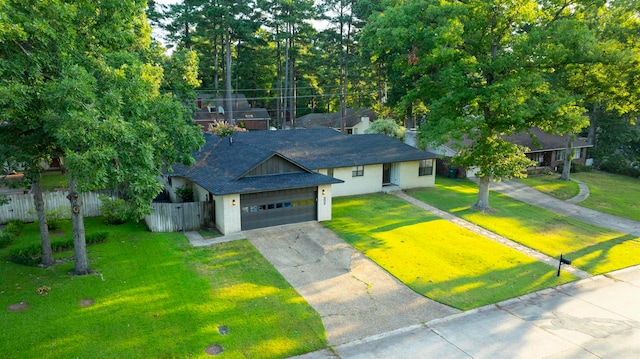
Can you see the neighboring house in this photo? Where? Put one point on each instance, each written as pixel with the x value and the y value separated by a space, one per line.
pixel 211 108
pixel 548 151
pixel 265 178
pixel 356 121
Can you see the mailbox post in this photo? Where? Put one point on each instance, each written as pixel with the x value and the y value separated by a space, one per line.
pixel 562 261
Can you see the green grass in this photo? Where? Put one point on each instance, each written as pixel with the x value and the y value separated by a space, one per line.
pixel 155 297
pixel 613 194
pixel 592 248
pixel 552 185
pixel 54 180
pixel 434 257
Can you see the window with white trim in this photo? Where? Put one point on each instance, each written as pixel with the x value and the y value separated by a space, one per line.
pixel 357 171
pixel 577 153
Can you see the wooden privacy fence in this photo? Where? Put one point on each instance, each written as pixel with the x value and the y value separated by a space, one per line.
pixel 21 206
pixel 176 217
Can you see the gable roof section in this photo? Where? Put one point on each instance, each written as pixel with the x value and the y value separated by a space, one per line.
pixel 334 119
pixel 545 141
pixel 321 148
pixel 222 163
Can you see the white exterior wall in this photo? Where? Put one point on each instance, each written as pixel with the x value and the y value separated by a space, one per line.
pixel 371 182
pixel 362 126
pixel 408 175
pixel 200 194
pixel 324 203
pixel 176 182
pixel 227 215
pixel 471 171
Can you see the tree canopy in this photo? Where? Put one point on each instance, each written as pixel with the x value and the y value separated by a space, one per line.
pixel 485 69
pixel 82 77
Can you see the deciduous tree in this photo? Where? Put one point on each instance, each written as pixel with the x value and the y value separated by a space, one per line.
pixel 482 68
pixel 98 100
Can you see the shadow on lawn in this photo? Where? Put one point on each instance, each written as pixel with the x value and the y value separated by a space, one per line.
pixel 596 259
pixel 467 292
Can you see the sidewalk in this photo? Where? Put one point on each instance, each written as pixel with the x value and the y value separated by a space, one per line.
pixel 598 317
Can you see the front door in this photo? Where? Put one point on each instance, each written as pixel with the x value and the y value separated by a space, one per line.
pixel 386 173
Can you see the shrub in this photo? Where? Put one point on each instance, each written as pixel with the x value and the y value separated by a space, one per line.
pixel 115 210
pixel 96 237
pixel 185 193
pixel 617 164
pixel 14 227
pixel 6 238
pixel 224 128
pixel 31 255
pixel 576 167
pixel 56 216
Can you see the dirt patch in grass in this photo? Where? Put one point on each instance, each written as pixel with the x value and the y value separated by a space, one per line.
pixel 84 303
pixel 18 307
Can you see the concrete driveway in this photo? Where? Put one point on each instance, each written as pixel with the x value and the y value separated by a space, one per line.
pixel 355 298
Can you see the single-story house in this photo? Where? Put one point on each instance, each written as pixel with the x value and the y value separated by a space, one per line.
pixel 548 151
pixel 356 120
pixel 265 178
pixel 211 108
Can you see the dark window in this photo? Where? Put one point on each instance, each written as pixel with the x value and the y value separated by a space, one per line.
pixel 357 171
pixel 426 168
pixel 330 172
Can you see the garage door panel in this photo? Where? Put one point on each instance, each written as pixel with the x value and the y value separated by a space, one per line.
pixel 278 207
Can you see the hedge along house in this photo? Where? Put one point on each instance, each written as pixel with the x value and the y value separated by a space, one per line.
pixel 266 178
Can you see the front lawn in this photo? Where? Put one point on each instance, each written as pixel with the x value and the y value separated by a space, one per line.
pixel 154 296
pixel 592 248
pixel 552 185
pixel 434 257
pixel 613 194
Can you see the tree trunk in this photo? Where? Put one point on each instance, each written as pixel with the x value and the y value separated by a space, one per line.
pixel 566 169
pixel 229 111
pixel 79 240
pixel 216 69
pixel 483 193
pixel 45 241
pixel 292 78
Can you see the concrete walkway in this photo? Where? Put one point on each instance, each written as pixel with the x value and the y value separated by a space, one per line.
pixel 354 296
pixel 582 195
pixel 529 195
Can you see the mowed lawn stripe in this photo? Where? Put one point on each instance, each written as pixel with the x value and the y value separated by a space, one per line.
pixel 591 248
pixel 154 296
pixel 434 257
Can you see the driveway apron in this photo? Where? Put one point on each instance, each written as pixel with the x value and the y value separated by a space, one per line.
pixel 354 297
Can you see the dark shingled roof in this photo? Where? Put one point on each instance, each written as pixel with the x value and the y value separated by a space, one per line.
pixel 222 162
pixel 319 148
pixel 545 141
pixel 334 120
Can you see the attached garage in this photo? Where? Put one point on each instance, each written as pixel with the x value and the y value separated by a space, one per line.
pixel 274 208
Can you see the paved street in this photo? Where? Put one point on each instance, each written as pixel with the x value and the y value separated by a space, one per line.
pixel 597 317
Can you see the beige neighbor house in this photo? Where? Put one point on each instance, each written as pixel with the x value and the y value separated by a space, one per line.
pixel 264 178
